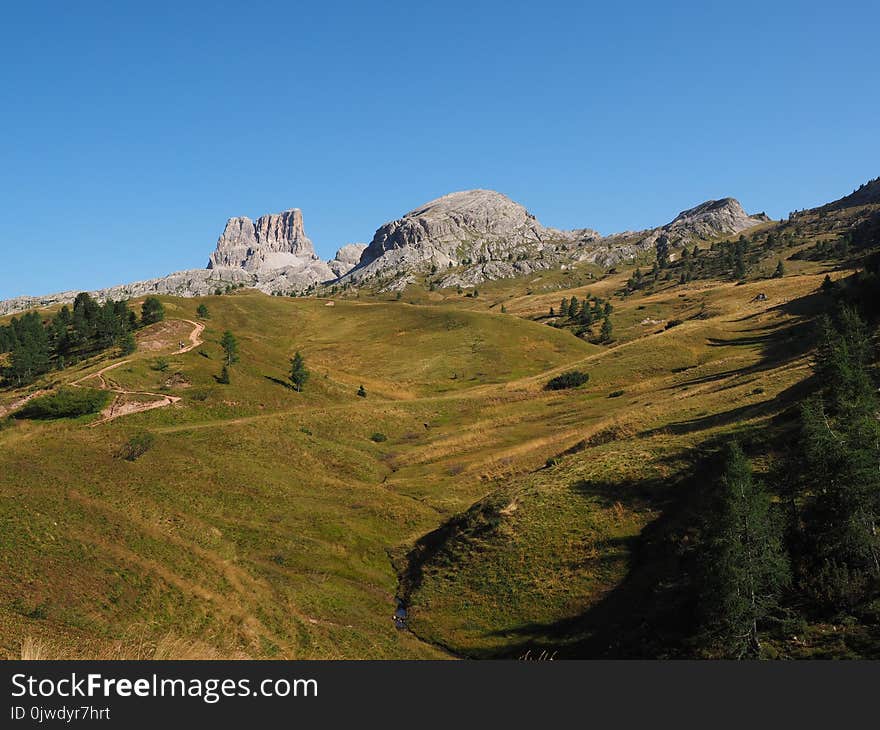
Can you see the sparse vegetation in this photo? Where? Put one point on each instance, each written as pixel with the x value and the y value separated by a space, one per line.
pixel 137 446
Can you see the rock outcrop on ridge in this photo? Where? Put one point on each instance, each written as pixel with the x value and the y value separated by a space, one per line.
pixel 483 231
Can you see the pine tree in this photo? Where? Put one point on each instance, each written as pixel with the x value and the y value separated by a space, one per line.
pixel 839 449
pixel 152 311
pixel 229 343
pixel 605 334
pixel 744 565
pixel 573 308
pixel 299 374
pixel 739 265
pixel 780 270
pixel 203 312
pixel 127 344
pixel 662 248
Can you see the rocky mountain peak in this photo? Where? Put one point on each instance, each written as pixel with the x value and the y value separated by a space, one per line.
pixel 273 242
pixel 483 230
pixel 712 218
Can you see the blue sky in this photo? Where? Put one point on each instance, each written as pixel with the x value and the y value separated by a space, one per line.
pixel 128 135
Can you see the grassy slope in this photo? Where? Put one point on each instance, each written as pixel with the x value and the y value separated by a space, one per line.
pixel 259 521
pixel 263 522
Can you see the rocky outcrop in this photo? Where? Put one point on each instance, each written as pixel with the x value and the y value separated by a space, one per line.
pixel 346 258
pixel 273 242
pixel 189 283
pixel 706 221
pixel 483 231
pixel 711 219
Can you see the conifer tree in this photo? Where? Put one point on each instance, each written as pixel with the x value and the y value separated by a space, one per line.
pixel 606 333
pixel 229 343
pixel 744 565
pixel 299 374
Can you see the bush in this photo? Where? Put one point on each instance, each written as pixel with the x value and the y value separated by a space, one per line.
pixel 615 394
pixel 160 365
pixel 66 403
pixel 571 379
pixel 378 437
pixel 136 446
pixel 673 323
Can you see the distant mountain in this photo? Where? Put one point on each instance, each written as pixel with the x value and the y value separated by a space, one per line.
pixel 272 255
pixel 460 239
pixel 483 231
pixel 484 235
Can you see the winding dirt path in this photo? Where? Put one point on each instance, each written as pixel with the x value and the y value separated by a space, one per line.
pixel 120 407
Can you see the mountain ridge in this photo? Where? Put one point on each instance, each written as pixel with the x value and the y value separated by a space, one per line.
pixel 464 238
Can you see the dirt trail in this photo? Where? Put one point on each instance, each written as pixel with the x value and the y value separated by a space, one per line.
pixel 122 407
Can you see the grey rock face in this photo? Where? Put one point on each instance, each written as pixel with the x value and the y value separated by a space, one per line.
pixel 482 230
pixel 275 241
pixel 346 258
pixel 706 221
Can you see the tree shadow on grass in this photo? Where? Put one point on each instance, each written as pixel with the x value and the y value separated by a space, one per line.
pixel 279 381
pixel 783 400
pixel 654 612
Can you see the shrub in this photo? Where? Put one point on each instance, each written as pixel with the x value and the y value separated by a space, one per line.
pixel 136 446
pixel 571 379
pixel 615 394
pixel 673 323
pixel 160 365
pixel 378 437
pixel 66 403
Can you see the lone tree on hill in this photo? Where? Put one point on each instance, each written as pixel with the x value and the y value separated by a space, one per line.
pixel 229 343
pixel 152 311
pixel 299 374
pixel 780 270
pixel 203 312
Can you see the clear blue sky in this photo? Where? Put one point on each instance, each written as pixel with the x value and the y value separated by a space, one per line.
pixel 130 132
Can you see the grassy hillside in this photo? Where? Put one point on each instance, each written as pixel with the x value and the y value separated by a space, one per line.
pixel 263 522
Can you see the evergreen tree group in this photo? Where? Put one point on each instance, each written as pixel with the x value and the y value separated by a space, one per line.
pixel 36 346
